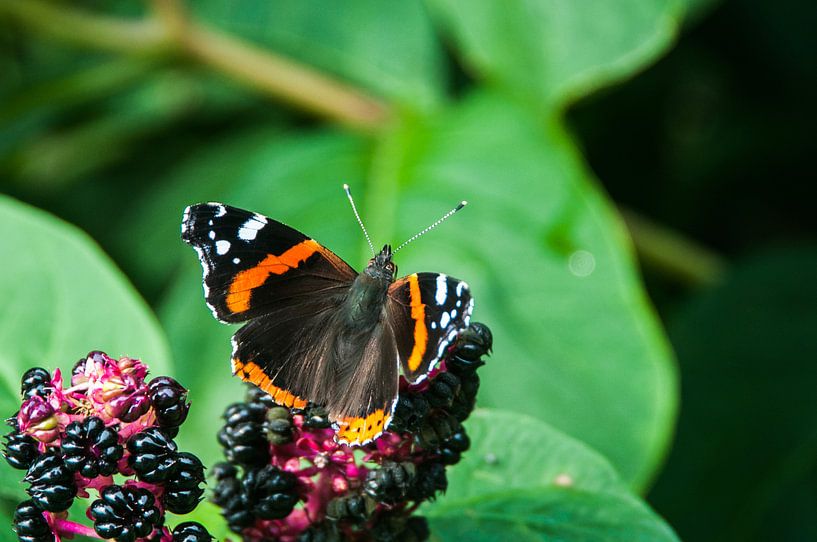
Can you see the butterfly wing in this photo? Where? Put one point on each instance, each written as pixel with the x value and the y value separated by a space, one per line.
pixel 427 312
pixel 253 264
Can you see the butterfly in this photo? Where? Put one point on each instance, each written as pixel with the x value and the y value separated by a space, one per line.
pixel 315 330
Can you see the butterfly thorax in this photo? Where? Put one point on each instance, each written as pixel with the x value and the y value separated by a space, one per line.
pixel 367 296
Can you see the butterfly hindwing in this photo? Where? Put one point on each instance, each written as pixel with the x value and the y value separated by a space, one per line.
pixel 252 264
pixel 427 311
pixel 293 358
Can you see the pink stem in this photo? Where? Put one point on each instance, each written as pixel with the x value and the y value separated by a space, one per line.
pixel 64 526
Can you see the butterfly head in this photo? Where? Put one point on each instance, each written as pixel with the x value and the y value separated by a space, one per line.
pixel 381 266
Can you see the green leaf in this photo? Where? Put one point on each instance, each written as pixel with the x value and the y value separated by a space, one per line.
pixel 62 297
pixel 552 514
pixel 551 51
pixel 392 51
pixel 744 467
pixel 576 342
pixel 297 181
pixel 511 450
pixel 523 480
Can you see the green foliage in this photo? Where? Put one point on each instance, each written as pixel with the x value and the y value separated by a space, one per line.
pixel 549 51
pixel 582 369
pixel 552 514
pixel 524 480
pixel 392 51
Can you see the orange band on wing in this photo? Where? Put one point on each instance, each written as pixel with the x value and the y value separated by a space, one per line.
pixel 418 314
pixel 238 298
pixel 356 431
pixel 250 372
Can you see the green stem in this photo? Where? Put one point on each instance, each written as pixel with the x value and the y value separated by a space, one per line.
pixel 673 254
pixel 86 29
pixel 169 30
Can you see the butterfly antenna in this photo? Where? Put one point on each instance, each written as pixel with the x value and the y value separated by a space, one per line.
pixel 359 221
pixel 439 221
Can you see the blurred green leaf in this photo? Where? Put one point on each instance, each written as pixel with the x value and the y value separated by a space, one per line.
pixel 554 514
pixel 392 51
pixel 511 450
pixel 297 181
pixel 62 297
pixel 577 344
pixel 551 51
pixel 744 467
pixel 523 480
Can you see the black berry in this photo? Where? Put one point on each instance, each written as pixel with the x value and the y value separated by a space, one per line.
pixel 35 381
pixel 356 508
pixel 442 390
pixel 124 513
pixel 90 448
pixel 390 483
pixel 228 494
pixel 316 417
pixel 430 479
pixel 392 527
pixel 169 400
pixel 278 426
pixel 182 491
pixel 325 531
pixel 30 524
pixel 190 531
pixel 152 453
pixel 52 484
pixel 257 395
pixel 451 449
pixel 243 435
pixel 20 450
pixel 438 426
pixel 409 413
pixel 270 492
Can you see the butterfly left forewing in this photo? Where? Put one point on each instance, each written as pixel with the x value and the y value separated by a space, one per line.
pixel 428 311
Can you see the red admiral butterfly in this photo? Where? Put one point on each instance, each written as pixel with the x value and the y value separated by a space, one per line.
pixel 317 331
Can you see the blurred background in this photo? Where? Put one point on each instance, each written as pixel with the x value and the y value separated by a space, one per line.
pixel 642 236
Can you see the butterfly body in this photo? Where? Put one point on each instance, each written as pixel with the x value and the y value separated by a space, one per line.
pixel 315 330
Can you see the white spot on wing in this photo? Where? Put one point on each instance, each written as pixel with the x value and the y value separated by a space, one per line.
pixel 444 320
pixel 220 209
pixel 442 289
pixel 236 261
pixel 212 234
pixel 460 286
pixel 433 325
pixel 222 247
pixel 250 228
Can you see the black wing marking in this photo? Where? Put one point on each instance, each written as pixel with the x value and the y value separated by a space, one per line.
pixel 252 264
pixel 427 312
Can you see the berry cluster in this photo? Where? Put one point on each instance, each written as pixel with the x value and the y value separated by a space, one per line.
pixel 278 458
pixel 109 422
